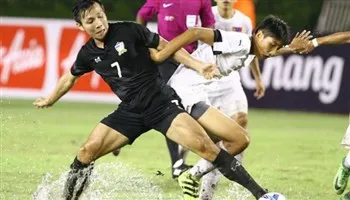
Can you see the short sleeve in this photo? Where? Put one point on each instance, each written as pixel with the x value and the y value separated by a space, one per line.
pixel 144 36
pixel 80 65
pixel 232 42
pixel 206 14
pixel 148 10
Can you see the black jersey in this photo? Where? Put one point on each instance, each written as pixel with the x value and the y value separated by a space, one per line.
pixel 125 64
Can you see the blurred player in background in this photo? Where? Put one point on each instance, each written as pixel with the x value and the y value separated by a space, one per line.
pixel 175 17
pixel 342 176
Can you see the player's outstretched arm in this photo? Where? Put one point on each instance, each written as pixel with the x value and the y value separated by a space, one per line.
pixel 207 70
pixel 205 35
pixel 65 83
pixel 335 38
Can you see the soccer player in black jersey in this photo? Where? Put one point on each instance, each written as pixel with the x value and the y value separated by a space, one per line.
pixel 119 54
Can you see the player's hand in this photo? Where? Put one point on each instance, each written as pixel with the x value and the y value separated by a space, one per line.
pixel 42 103
pixel 300 41
pixel 308 48
pixel 209 71
pixel 260 90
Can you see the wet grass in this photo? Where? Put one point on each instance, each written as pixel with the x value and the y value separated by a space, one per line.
pixel 293 153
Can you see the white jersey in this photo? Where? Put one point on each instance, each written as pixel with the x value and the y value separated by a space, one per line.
pixel 227 93
pixel 234 54
pixel 238 23
pixel 193 87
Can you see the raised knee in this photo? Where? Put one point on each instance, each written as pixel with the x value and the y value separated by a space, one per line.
pixel 242 119
pixel 246 141
pixel 239 145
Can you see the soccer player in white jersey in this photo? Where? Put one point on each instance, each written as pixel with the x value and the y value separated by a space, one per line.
pixel 227 94
pixel 230 51
pixel 342 176
pixel 230 97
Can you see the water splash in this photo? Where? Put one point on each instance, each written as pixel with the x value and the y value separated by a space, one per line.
pixel 108 181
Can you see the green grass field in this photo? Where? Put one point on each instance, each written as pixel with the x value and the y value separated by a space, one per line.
pixel 294 153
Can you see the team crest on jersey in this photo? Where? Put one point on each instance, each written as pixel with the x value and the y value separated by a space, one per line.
pixel 237 29
pixel 120 47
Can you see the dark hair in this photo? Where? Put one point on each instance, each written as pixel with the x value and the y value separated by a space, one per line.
pixel 274 27
pixel 80 6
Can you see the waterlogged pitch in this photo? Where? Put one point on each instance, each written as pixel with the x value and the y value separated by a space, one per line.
pixel 296 154
pixel 107 182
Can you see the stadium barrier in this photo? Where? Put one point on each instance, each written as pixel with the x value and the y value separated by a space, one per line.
pixel 316 82
pixel 34 53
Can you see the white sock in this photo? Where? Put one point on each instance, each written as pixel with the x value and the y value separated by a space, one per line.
pixel 239 157
pixel 210 181
pixel 209 184
pixel 347 160
pixel 201 168
pixel 211 176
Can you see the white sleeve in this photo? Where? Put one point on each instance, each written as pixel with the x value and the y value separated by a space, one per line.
pixel 204 53
pixel 232 42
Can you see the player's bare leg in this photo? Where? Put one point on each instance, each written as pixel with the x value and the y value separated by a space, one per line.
pixel 101 141
pixel 211 180
pixel 185 131
pixel 234 136
pixel 242 119
pixel 224 128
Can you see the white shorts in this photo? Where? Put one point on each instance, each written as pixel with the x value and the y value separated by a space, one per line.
pixel 346 140
pixel 227 95
pixel 189 94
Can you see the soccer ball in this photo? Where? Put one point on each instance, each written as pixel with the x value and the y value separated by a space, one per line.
pixel 273 196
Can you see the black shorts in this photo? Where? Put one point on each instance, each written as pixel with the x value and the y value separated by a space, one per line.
pixel 158 116
pixel 199 109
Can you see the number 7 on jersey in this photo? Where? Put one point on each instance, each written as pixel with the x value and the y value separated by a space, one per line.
pixel 116 64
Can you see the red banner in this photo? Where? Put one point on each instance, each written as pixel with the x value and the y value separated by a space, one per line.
pixel 71 41
pixel 22 57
